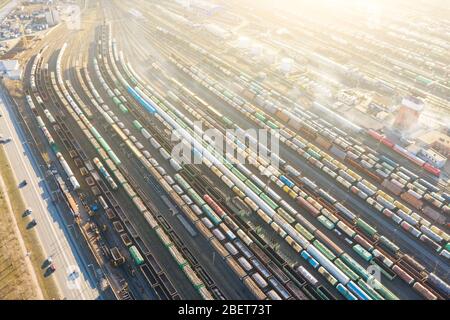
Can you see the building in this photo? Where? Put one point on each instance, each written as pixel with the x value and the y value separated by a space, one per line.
pixel 11 69
pixel 433 157
pixel 408 114
pixel 52 17
pixel 437 140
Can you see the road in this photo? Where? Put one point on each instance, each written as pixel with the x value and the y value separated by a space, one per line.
pixel 53 232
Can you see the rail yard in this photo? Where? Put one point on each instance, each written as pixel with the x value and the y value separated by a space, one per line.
pixel 340 210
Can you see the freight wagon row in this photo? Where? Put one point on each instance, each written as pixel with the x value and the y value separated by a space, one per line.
pixel 325 219
pixel 158 172
pixel 263 204
pixel 354 148
pixel 303 119
pixel 198 284
pixel 254 91
pixel 101 146
pixel 36 60
pixel 315 156
pixel 133 250
pixel 168 183
pixel 59 156
pixel 282 182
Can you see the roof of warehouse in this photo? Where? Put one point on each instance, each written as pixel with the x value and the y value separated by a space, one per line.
pixel 9 65
pixel 434 136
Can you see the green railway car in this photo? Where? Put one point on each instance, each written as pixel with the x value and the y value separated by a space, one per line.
pixel 424 81
pixel 238 174
pixel 272 125
pixel 305 233
pixel 104 144
pixel 137 257
pixel 355 266
pixel 122 108
pixel 252 186
pixel 363 253
pixel 54 147
pixel 116 101
pixel 260 116
pixel 269 201
pixel 137 124
pixel 365 227
pixel 332 280
pixel 389 245
pixel 348 272
pixel 326 222
pixel 369 290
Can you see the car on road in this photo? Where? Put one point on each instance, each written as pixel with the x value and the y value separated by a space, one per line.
pixel 5 140
pixel 27 212
pixel 23 183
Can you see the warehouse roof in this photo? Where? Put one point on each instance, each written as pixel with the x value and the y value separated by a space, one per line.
pixel 431 137
pixel 9 65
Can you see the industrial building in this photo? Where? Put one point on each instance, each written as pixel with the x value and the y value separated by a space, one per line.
pixel 437 140
pixel 433 157
pixel 52 17
pixel 11 69
pixel 408 114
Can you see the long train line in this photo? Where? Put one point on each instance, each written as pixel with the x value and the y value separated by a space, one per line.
pixel 103 94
